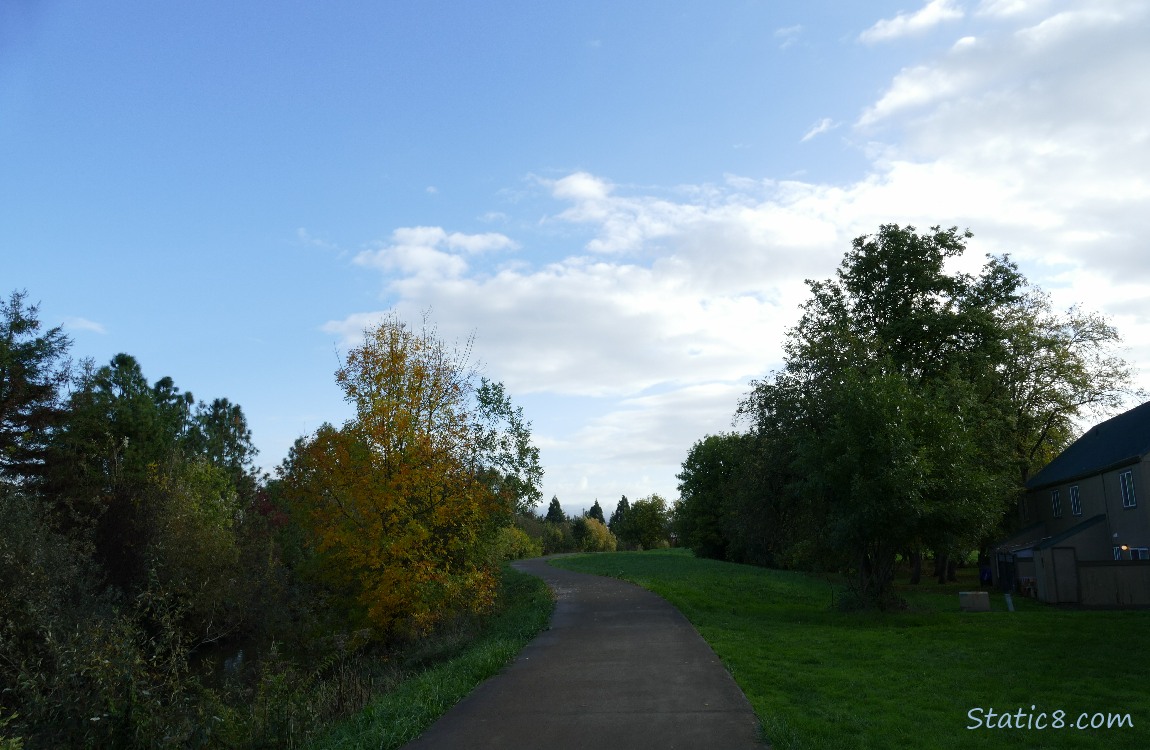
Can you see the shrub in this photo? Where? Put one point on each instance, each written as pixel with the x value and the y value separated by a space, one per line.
pixel 557 537
pixel 593 536
pixel 512 543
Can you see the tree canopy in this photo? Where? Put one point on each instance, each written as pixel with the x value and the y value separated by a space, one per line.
pixel 913 403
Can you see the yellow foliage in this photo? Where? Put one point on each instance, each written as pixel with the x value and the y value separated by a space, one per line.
pixel 599 538
pixel 395 504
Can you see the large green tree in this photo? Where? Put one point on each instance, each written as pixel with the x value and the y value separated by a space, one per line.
pixel 160 486
pixel 908 414
pixel 708 486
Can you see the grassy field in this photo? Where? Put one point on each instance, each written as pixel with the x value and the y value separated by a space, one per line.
pixel 400 715
pixel 820 678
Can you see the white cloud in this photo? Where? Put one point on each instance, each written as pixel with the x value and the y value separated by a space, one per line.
pixel 932 14
pixel 480 243
pixel 83 324
pixel 1010 8
pixel 416 252
pixel 1035 136
pixel 788 36
pixel 918 87
pixel 820 127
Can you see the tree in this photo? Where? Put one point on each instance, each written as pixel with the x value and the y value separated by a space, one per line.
pixel 504 443
pixel 707 489
pixel 218 433
pixel 646 523
pixel 596 512
pixel 904 413
pixel 893 338
pixel 401 504
pixel 119 437
pixel 130 464
pixel 555 512
pixel 618 516
pixel 33 370
pixel 1054 368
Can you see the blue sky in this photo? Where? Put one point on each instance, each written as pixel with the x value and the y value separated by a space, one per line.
pixel 620 200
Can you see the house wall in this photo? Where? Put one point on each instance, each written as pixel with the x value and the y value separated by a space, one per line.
pixel 1101 493
pixel 1092 497
pixel 1056 574
pixel 1044 575
pixel 1129 526
pixel 1114 584
pixel 1056 568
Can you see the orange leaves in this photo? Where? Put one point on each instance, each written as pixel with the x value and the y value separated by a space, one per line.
pixel 394 505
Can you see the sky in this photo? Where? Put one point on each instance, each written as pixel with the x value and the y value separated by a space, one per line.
pixel 619 201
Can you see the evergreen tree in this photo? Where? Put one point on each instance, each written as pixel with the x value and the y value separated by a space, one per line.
pixel 619 516
pixel 33 369
pixel 555 511
pixel 596 512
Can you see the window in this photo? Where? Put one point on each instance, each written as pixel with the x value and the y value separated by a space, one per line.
pixel 1117 553
pixel 1126 480
pixel 1140 553
pixel 1056 504
pixel 1075 501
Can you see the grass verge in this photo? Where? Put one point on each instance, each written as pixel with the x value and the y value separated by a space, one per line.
pixel 403 713
pixel 821 678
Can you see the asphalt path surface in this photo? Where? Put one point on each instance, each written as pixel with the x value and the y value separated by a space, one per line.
pixel 619 667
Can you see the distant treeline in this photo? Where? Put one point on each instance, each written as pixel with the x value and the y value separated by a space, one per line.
pixel 644 524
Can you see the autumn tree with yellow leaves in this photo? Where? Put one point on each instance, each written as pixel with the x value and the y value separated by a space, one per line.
pixel 400 506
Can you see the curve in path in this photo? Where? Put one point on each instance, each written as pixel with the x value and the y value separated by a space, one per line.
pixel 619 667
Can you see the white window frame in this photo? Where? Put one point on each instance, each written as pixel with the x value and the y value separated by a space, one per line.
pixel 1126 484
pixel 1056 503
pixel 1075 501
pixel 1117 553
pixel 1140 553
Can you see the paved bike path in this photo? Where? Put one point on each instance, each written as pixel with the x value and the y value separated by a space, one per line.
pixel 619 667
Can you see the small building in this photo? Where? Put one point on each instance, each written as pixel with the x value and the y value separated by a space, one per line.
pixel 1086 538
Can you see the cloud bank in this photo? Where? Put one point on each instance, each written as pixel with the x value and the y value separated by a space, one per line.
pixel 1033 132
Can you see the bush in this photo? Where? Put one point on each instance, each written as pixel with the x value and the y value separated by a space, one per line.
pixel 591 535
pixel 557 537
pixel 512 543
pixel 84 666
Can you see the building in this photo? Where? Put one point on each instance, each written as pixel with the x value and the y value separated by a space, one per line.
pixel 1086 535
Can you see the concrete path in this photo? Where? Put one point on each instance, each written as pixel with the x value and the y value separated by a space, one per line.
pixel 618 668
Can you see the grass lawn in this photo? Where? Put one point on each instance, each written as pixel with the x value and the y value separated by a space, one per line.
pixel 820 678
pixel 402 714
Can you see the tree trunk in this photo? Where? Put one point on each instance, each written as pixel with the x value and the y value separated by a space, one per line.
pixel 916 567
pixel 940 563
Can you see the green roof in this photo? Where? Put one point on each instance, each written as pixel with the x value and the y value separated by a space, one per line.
pixel 1119 441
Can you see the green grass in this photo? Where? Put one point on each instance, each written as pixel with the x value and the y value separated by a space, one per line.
pixel 400 715
pixel 820 678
